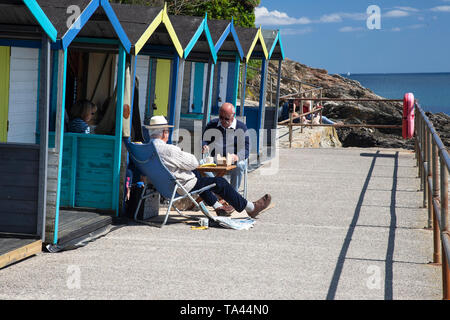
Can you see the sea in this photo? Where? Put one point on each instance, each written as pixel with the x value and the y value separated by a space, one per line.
pixel 432 90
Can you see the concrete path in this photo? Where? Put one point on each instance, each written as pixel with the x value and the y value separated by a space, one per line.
pixel 347 225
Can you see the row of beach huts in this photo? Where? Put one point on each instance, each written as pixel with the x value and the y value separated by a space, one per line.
pixel 133 62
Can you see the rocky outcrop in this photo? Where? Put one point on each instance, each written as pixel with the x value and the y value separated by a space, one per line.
pixel 317 137
pixel 336 86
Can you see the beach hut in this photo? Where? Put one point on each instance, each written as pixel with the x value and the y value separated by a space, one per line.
pixel 197 65
pixel 254 47
pixel 272 39
pixel 156 53
pixel 229 57
pixel 25 37
pixel 89 62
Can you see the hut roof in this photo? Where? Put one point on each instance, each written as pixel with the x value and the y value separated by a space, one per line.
pixel 225 38
pixel 274 45
pixel 84 18
pixel 195 38
pixel 147 25
pixel 19 17
pixel 252 43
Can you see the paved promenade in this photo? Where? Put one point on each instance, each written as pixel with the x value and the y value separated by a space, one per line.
pixel 347 225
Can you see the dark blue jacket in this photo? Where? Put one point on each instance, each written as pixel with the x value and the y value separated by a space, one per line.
pixel 231 134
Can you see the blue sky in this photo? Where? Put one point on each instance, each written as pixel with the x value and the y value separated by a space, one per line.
pixel 334 34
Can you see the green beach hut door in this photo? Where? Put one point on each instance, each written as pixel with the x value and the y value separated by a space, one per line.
pixel 4 92
pixel 162 87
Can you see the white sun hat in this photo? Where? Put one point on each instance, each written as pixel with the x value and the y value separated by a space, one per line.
pixel 158 122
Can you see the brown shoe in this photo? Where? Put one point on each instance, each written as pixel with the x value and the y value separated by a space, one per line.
pixel 260 205
pixel 224 211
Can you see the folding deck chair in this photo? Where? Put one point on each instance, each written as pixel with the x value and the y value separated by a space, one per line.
pixel 147 160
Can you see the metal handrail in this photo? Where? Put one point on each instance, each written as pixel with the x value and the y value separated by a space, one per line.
pixel 433 162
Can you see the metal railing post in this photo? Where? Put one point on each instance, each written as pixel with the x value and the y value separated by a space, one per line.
pixel 434 195
pixel 420 145
pixel 444 228
pixel 429 192
pixel 424 171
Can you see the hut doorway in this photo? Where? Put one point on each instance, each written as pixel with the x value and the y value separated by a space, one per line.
pixel 88 193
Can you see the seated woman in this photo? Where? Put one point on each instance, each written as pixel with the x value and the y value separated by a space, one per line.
pixel 81 113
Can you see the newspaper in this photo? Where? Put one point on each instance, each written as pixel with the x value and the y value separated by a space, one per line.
pixel 236 224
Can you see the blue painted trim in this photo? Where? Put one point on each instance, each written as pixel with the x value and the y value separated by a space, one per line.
pixel 222 38
pixel 238 43
pixel 210 42
pixel 202 28
pixel 244 90
pixel 277 40
pixel 211 84
pixel 193 41
pixel 261 102
pixel 76 27
pixel 173 93
pixel 63 107
pixel 42 19
pixel 116 25
pixel 281 45
pixel 237 68
pixel 20 43
pixel 118 130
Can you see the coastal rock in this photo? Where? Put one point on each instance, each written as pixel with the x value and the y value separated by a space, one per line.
pixel 441 123
pixel 316 137
pixel 336 86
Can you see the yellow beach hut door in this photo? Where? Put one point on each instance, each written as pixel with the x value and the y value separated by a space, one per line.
pixel 4 92
pixel 162 87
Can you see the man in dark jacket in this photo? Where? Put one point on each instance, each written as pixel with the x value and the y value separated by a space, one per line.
pixel 228 135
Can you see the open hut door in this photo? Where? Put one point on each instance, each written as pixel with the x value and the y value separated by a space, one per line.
pixel 126 130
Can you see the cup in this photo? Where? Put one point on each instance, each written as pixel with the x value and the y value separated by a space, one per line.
pixel 203 222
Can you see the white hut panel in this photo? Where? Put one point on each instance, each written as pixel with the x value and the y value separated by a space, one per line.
pixel 23 95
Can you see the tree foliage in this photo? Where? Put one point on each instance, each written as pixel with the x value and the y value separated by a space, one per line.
pixel 241 10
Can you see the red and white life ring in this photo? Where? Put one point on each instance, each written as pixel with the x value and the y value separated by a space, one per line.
pixel 408 116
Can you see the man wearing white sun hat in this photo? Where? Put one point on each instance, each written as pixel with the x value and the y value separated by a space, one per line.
pixel 183 166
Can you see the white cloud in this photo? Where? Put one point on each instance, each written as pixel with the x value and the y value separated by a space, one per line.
pixel 410 27
pixel 441 9
pixel 295 32
pixel 411 9
pixel 351 29
pixel 329 18
pixel 396 14
pixel 265 17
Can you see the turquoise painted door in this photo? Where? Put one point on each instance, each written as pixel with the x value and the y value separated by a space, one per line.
pixel 198 87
